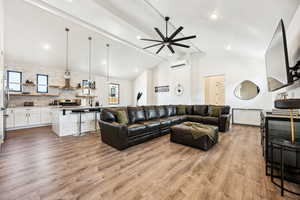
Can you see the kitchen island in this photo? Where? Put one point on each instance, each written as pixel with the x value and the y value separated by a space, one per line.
pixel 75 121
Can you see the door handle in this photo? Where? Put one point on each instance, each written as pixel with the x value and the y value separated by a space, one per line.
pixel 6 115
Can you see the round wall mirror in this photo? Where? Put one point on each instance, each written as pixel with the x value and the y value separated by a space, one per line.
pixel 246 90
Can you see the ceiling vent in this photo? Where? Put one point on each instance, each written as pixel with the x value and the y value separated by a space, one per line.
pixel 179 64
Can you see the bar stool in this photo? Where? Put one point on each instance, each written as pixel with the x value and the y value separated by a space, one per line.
pixel 283 146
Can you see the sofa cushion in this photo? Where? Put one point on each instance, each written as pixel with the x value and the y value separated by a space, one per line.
pixel 189 109
pixel 165 122
pixel 175 119
pixel 195 118
pixel 107 116
pixel 151 112
pixel 152 124
pixel 162 111
pixel 211 120
pixel 136 114
pixel 136 129
pixel 180 110
pixel 203 119
pixel 122 117
pixel 214 111
pixel 200 110
pixel 171 110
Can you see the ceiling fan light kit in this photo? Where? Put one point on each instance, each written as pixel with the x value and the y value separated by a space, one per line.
pixel 167 40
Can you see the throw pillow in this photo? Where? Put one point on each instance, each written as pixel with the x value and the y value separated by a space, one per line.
pixel 181 110
pixel 215 111
pixel 122 117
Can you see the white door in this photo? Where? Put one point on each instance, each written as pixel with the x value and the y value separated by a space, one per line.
pixel 34 117
pixel 215 90
pixel 21 117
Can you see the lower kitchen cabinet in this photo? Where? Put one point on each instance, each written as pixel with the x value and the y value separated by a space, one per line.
pixel 18 118
pixel 9 118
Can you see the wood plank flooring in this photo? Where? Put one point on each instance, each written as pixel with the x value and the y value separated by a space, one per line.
pixel 35 164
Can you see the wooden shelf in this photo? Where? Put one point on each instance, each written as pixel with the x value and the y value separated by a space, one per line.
pixel 54 86
pixel 29 84
pixel 82 88
pixel 35 95
pixel 85 96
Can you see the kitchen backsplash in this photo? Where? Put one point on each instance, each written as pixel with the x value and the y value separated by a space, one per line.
pixel 55 78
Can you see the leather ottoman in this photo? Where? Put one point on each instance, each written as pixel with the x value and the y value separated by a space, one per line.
pixel 181 134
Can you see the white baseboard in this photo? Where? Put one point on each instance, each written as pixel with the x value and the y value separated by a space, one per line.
pixel 27 127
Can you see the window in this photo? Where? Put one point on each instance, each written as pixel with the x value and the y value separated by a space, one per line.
pixel 14 81
pixel 42 83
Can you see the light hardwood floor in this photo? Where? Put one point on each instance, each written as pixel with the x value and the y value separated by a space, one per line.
pixel 35 164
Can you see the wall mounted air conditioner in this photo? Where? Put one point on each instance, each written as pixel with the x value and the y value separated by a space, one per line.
pixel 179 64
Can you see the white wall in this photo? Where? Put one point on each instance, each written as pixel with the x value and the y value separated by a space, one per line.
pixel 235 68
pixel 1 70
pixel 143 83
pixel 56 78
pixel 164 75
pixel 1 50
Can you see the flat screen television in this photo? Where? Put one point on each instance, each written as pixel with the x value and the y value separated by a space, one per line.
pixel 277 61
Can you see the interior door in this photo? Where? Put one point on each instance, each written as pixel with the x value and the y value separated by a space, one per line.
pixel 215 90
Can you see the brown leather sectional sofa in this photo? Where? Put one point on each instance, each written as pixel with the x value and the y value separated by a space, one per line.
pixel 148 122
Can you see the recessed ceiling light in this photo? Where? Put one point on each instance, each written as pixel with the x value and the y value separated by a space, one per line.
pixel 46 46
pixel 214 16
pixel 104 62
pixel 138 37
pixel 69 1
pixel 228 47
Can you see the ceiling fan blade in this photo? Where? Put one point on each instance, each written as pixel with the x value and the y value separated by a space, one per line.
pixel 171 48
pixel 160 34
pixel 176 33
pixel 184 38
pixel 181 45
pixel 154 45
pixel 160 49
pixel 151 40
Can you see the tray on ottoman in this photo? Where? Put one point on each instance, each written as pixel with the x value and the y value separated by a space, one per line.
pixel 182 134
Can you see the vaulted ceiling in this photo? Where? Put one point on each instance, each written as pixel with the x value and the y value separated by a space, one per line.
pixel 242 27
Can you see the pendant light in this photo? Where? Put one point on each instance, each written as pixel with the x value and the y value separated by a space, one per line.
pixel 90 63
pixel 107 62
pixel 67 74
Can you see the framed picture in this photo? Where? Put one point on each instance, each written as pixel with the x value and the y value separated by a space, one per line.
pixel 113 94
pixel 85 84
pixel 162 89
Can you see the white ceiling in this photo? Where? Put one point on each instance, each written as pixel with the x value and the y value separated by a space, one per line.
pixel 28 29
pixel 247 26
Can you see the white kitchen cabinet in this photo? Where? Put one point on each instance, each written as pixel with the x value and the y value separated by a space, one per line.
pixel 9 118
pixel 46 115
pixel 24 117
pixel 21 117
pixel 33 116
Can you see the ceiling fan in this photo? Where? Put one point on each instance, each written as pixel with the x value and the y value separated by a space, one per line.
pixel 167 40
